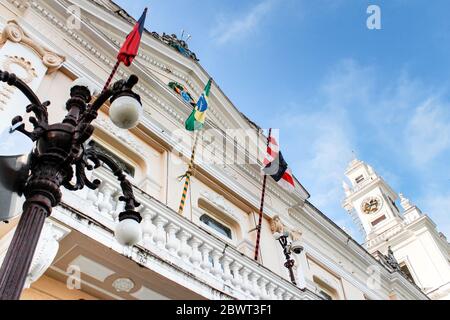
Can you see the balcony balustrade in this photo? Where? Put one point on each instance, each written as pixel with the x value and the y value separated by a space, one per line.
pixel 174 238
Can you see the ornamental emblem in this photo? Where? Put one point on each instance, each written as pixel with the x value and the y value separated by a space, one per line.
pixel 181 90
pixel 23 68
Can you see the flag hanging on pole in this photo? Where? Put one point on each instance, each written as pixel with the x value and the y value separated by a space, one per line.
pixel 276 167
pixel 198 116
pixel 130 47
pixel 195 122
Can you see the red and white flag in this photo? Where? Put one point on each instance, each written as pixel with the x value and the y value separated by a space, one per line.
pixel 276 167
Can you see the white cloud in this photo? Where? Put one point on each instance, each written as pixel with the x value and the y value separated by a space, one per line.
pixel 228 29
pixel 436 205
pixel 428 132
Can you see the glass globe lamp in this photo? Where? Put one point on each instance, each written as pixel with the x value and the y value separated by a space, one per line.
pixel 125 110
pixel 129 231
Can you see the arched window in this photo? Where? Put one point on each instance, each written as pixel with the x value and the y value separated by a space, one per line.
pixel 327 291
pixel 125 166
pixel 216 225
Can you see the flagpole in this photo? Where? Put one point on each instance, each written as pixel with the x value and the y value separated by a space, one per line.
pixel 261 208
pixel 111 76
pixel 188 175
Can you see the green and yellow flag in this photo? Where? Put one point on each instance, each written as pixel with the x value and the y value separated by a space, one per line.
pixel 198 116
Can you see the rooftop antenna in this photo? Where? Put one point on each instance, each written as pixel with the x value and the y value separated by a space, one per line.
pixel 188 37
pixel 182 34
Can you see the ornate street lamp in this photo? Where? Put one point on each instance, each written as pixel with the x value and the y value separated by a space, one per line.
pixel 61 153
pixel 288 249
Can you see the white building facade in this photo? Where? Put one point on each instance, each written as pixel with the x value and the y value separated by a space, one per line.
pixel 206 253
pixel 421 252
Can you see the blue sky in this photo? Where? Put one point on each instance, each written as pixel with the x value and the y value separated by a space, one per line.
pixel 314 70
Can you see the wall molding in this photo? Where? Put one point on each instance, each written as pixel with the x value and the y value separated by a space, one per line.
pixel 13 32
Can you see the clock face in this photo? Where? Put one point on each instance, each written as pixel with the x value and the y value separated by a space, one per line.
pixel 371 205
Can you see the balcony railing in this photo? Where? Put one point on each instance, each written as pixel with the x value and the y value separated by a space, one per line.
pixel 177 240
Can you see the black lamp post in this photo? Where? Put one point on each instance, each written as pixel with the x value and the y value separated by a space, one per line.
pixel 61 153
pixel 288 249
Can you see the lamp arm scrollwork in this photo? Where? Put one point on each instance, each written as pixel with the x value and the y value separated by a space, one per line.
pixel 12 80
pixel 98 157
pixel 40 121
pixel 83 132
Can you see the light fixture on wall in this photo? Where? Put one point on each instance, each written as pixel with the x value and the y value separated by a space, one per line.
pixel 289 248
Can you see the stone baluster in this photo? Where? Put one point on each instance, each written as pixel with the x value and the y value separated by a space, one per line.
pixel 246 285
pixel 159 236
pixel 217 267
pixel 92 198
pixel 172 241
pixel 279 293
pixel 227 276
pixel 106 204
pixel 287 296
pixel 271 291
pixel 184 251
pixel 255 291
pixel 263 288
pixel 196 256
pixel 119 205
pixel 148 228
pixel 237 279
pixel 205 249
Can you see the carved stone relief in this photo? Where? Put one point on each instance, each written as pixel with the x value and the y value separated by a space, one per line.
pixel 13 32
pixel 25 65
pixel 277 226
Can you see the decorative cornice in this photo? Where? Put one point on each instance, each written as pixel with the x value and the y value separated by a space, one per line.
pixel 20 4
pixel 14 33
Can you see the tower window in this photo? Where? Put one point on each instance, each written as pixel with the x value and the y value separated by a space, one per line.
pixel 216 225
pixel 359 179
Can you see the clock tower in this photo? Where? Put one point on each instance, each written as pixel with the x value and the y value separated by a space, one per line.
pixel 407 238
pixel 370 200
